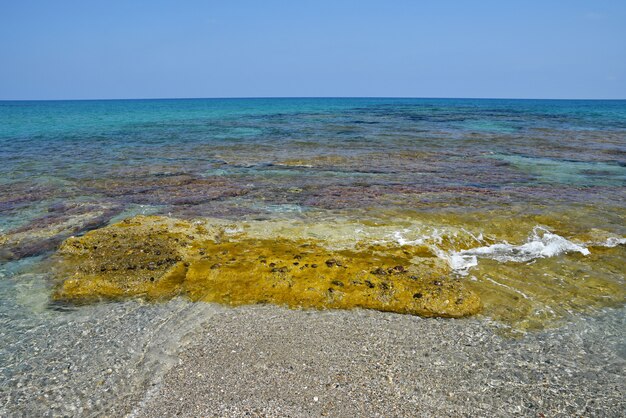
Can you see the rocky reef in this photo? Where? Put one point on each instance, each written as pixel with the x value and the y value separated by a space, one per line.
pixel 155 258
pixel 46 232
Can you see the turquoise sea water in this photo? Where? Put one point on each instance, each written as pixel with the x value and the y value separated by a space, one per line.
pixel 260 148
pixel 535 186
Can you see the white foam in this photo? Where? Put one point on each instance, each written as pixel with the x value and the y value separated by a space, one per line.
pixel 541 244
pixel 233 231
pixel 609 243
pixel 462 263
pixel 398 236
pixel 524 295
pixel 458 262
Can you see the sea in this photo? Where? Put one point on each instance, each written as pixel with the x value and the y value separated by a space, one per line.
pixel 523 200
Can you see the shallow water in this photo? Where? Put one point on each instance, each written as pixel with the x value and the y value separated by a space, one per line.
pixel 523 199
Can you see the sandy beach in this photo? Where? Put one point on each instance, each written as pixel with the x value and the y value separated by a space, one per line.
pixel 198 359
pixel 268 361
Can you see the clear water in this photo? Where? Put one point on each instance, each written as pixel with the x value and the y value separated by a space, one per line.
pixel 473 178
pixel 84 150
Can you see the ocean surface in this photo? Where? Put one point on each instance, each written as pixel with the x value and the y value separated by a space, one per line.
pixel 523 199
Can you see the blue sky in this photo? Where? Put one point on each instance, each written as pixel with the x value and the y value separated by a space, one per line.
pixel 149 49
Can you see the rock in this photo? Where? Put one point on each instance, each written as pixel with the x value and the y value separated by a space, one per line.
pixel 45 233
pixel 180 189
pixel 152 257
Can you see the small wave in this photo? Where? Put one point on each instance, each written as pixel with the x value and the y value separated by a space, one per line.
pixel 541 244
pixel 462 263
pixel 609 243
pixel 401 240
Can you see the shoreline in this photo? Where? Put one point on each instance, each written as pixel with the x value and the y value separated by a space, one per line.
pixel 270 361
pixel 190 359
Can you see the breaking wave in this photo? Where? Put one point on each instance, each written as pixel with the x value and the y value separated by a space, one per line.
pixel 541 244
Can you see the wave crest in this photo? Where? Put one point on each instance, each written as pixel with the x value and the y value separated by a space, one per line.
pixel 541 244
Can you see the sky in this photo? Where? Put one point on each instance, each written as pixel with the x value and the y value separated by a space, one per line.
pixel 89 49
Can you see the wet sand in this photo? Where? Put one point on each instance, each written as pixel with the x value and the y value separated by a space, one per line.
pixel 269 361
pixel 198 359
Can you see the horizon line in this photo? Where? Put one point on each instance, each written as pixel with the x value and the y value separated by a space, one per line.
pixel 306 97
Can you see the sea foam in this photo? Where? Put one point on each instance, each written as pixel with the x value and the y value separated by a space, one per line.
pixel 541 244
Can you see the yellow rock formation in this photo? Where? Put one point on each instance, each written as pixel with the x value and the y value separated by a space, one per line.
pixel 158 258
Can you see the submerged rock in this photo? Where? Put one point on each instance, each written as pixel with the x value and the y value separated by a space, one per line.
pixel 43 234
pixel 175 190
pixel 158 258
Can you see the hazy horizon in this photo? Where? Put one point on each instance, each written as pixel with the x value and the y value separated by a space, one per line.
pixel 312 97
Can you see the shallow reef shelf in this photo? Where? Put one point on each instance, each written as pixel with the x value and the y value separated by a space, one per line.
pixel 158 258
pixel 537 282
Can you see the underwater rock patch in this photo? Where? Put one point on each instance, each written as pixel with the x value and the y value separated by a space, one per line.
pixel 157 258
pixel 43 234
pixel 19 195
pixel 172 190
